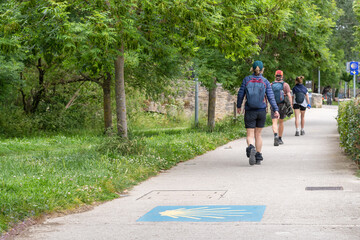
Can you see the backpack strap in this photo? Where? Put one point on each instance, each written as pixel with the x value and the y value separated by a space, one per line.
pixel 256 80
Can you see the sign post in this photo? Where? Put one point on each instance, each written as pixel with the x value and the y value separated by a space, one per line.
pixel 354 70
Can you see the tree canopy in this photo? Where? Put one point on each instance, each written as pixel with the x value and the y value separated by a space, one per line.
pixel 148 45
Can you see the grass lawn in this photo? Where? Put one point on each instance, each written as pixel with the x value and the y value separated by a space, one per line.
pixel 41 175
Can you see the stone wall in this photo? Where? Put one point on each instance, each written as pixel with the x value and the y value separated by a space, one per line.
pixel 224 102
pixel 186 101
pixel 316 100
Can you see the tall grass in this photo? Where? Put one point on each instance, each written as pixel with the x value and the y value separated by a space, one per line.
pixel 42 174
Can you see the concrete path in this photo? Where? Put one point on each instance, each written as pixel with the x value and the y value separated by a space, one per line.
pixel 224 177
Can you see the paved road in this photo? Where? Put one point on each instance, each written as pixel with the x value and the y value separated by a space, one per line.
pixel 224 177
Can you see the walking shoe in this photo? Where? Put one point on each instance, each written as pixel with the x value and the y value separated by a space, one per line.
pixel 302 132
pixel 258 156
pixel 248 150
pixel 297 133
pixel 276 141
pixel 281 141
pixel 252 153
pixel 252 159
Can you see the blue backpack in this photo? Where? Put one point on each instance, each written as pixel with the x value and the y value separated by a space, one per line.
pixel 255 93
pixel 278 89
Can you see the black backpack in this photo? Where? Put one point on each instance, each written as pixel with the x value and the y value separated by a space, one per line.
pixel 299 97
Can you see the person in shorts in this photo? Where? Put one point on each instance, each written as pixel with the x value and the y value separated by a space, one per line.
pixel 301 102
pixel 278 124
pixel 255 114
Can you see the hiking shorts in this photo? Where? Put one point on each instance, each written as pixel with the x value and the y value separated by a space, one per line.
pixel 297 106
pixel 255 119
pixel 282 111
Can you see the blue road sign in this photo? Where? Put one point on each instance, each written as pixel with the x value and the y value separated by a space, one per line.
pixel 354 72
pixel 218 213
pixel 354 66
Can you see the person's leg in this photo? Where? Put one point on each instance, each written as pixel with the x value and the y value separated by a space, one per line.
pixel 250 150
pixel 302 132
pixel 250 134
pixel 297 116
pixel 258 139
pixel 281 127
pixel 302 119
pixel 275 125
pixel 275 131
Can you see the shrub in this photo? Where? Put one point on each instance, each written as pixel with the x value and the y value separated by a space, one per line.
pixel 349 127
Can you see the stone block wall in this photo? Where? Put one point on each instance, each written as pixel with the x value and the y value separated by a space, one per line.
pixel 224 102
pixel 186 101
pixel 316 100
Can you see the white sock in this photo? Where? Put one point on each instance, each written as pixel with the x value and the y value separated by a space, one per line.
pixel 298 129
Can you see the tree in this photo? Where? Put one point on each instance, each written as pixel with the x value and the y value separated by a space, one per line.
pixel 301 45
pixel 234 40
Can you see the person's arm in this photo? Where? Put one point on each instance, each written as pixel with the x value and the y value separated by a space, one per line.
pixel 288 93
pixel 241 95
pixel 290 98
pixel 308 100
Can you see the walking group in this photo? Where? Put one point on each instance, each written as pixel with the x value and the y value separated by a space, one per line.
pixel 283 101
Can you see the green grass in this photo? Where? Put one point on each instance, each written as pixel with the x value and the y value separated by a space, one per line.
pixel 41 175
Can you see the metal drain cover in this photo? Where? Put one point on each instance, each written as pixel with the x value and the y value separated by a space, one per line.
pixel 187 194
pixel 323 188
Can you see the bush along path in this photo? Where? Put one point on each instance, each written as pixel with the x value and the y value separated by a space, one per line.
pixel 349 128
pixel 48 174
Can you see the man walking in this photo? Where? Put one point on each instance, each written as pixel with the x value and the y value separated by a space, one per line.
pixel 256 88
pixel 281 90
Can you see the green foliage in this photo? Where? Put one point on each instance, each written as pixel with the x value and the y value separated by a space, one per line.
pixel 349 127
pixel 52 117
pixel 301 44
pixel 124 146
pixel 347 77
pixel 46 174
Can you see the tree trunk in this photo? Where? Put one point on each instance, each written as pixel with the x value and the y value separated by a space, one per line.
pixel 211 107
pixel 38 93
pixel 107 102
pixel 120 94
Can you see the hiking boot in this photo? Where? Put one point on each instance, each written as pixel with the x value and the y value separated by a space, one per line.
pixel 276 141
pixel 281 141
pixel 297 133
pixel 252 153
pixel 248 150
pixel 302 132
pixel 258 158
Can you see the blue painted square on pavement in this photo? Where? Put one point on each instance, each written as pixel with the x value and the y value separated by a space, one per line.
pixel 217 213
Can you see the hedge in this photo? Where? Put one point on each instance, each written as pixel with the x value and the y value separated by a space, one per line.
pixel 349 127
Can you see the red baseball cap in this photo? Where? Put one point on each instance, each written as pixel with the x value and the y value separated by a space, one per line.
pixel 279 72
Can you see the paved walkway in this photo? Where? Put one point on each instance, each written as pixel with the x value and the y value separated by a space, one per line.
pixel 224 177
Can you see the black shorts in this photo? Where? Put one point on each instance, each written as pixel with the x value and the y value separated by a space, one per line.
pixel 282 111
pixel 297 106
pixel 255 119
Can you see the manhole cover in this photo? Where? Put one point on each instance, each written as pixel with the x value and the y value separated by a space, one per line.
pixel 184 194
pixel 323 188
